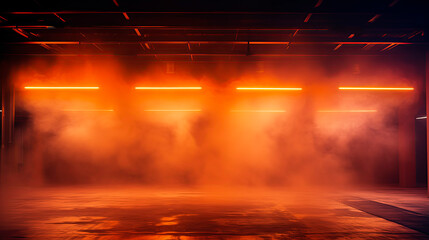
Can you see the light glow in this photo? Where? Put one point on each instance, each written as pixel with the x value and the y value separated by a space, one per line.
pixel 424 117
pixel 172 110
pixel 88 110
pixel 62 88
pixel 378 88
pixel 168 88
pixel 269 89
pixel 259 111
pixel 348 111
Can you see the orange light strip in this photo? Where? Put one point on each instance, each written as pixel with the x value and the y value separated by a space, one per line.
pixel 269 89
pixel 168 88
pixel 348 111
pixel 62 88
pixel 172 110
pixel 126 15
pixel 378 88
pixel 88 110
pixel 260 111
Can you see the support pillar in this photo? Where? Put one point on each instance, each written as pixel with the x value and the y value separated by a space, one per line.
pixel 8 120
pixel 406 147
pixel 427 111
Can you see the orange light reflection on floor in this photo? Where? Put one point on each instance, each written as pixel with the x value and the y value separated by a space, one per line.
pixel 378 88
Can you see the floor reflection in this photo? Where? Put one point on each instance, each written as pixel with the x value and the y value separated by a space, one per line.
pixel 137 213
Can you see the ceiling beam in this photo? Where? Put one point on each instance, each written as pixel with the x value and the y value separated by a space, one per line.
pixel 214 42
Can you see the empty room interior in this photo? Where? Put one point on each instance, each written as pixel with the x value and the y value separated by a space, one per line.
pixel 189 120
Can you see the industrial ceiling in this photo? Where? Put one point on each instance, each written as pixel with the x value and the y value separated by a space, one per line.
pixel 199 30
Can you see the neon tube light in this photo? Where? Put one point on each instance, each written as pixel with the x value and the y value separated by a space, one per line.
pixel 63 88
pixel 168 88
pixel 172 110
pixel 269 89
pixel 424 117
pixel 378 88
pixel 259 111
pixel 347 111
pixel 88 110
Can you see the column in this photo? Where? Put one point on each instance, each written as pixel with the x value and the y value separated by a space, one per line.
pixel 406 146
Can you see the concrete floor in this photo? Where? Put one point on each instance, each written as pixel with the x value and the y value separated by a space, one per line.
pixel 138 213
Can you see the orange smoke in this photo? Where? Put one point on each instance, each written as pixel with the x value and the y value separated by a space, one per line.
pixel 193 133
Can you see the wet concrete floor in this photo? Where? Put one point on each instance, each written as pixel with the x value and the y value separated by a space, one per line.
pixel 142 213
